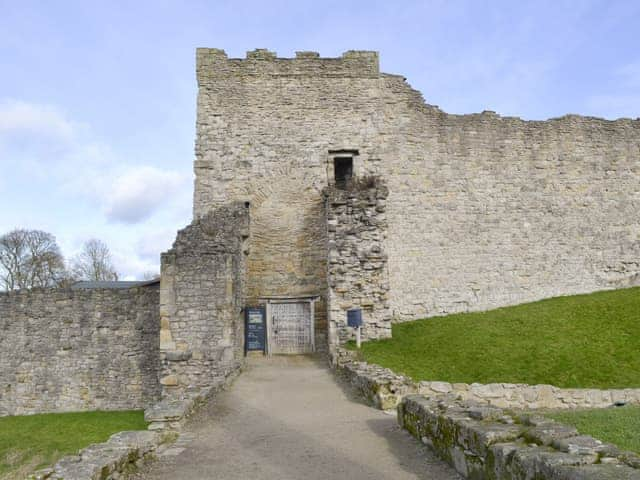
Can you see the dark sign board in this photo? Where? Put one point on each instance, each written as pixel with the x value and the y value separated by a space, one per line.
pixel 354 318
pixel 255 329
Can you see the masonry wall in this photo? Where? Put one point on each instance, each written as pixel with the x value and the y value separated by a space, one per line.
pixel 71 350
pixel 201 302
pixel 358 275
pixel 486 211
pixel 483 211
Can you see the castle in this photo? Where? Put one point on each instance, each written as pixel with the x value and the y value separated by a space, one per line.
pixel 322 185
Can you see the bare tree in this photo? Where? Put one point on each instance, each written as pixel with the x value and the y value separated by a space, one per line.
pixel 94 262
pixel 30 258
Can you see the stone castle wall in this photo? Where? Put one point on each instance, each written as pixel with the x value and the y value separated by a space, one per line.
pixel 486 211
pixel 483 211
pixel 72 350
pixel 202 292
pixel 358 275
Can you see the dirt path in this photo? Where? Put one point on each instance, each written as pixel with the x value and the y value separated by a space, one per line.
pixel 288 418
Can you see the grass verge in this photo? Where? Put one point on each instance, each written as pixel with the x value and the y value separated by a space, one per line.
pixel 34 441
pixel 581 341
pixel 620 426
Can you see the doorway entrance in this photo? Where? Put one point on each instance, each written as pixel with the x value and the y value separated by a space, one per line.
pixel 290 325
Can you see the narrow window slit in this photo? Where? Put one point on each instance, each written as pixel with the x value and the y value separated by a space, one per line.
pixel 343 168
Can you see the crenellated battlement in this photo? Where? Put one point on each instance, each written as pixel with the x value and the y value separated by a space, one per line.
pixel 213 63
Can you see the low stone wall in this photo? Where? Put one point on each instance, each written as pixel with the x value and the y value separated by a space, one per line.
pixel 483 442
pixel 72 350
pixel 122 454
pixel 171 413
pixel 380 386
pixel 385 389
pixel 523 396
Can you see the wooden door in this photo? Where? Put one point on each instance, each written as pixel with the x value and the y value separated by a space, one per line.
pixel 291 325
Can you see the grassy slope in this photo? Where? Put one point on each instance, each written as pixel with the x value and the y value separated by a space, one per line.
pixel 620 426
pixel 34 441
pixel 579 341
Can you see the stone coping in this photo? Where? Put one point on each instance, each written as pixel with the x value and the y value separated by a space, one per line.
pixel 122 454
pixel 385 389
pixel 485 442
pixel 171 413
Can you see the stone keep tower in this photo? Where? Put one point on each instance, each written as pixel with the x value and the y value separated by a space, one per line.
pixel 268 132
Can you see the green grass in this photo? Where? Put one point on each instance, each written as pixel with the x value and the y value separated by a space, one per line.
pixel 620 426
pixel 578 341
pixel 35 441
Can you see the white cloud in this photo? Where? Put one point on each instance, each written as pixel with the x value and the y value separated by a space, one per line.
pixel 138 192
pixel 63 178
pixel 38 143
pixel 44 120
pixel 152 243
pixel 131 267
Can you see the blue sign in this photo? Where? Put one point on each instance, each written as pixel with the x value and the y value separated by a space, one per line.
pixel 255 329
pixel 354 317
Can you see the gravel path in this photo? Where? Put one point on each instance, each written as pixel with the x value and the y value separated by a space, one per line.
pixel 288 418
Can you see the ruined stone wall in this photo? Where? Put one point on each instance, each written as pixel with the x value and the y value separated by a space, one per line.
pixel 202 295
pixel 486 211
pixel 483 211
pixel 486 442
pixel 358 274
pixel 71 350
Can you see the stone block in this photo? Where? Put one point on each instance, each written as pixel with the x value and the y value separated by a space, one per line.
pixel 169 380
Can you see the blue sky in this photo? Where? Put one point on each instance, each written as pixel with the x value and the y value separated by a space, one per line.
pixel 97 99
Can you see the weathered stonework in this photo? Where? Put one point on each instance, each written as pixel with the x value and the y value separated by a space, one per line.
pixel 487 443
pixel 68 350
pixel 380 387
pixel 483 211
pixel 124 453
pixel 512 395
pixel 385 389
pixel 202 294
pixel 357 271
pixel 172 412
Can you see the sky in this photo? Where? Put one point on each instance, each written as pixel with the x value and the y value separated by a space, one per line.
pixel 97 98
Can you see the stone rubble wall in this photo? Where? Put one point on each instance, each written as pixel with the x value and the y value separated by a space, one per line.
pixel 510 395
pixel 71 350
pixel 202 294
pixel 124 453
pixel 171 413
pixel 381 387
pixel 483 442
pixel 385 389
pixel 357 271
